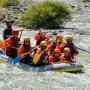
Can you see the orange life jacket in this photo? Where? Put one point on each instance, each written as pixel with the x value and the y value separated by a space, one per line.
pixel 11 43
pixel 61 47
pixel 24 49
pixel 39 38
pixel 48 40
pixel 53 59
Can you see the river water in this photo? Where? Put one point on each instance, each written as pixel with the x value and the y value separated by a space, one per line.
pixel 12 78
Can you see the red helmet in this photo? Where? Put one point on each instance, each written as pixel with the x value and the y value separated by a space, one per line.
pixel 15 32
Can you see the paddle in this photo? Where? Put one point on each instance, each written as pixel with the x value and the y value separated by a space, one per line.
pixel 16 60
pixel 20 33
pixel 36 58
pixel 84 50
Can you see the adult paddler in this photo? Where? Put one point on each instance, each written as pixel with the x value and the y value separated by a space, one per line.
pixel 8 31
pixel 11 44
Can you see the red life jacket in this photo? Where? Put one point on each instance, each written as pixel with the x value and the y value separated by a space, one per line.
pixel 14 43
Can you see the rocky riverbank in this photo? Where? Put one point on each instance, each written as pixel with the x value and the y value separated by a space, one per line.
pixel 15 11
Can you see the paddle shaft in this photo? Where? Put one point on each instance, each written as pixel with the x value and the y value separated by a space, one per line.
pixel 20 34
pixel 83 50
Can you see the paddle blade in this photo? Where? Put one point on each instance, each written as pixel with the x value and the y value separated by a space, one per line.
pixel 17 59
pixel 36 58
pixel 84 50
pixel 1 62
pixel 2 44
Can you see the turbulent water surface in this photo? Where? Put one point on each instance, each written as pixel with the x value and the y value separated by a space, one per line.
pixel 12 78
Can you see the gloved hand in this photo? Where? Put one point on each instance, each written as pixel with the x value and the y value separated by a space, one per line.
pixel 26 54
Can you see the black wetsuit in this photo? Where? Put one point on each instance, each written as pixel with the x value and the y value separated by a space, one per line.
pixel 7 32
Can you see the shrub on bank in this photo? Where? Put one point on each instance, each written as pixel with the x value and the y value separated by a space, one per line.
pixel 46 14
pixel 87 0
pixel 6 3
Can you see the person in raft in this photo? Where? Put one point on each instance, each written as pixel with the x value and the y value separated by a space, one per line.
pixel 58 43
pixel 8 31
pixel 25 51
pixel 41 54
pixel 55 57
pixel 66 56
pixel 48 40
pixel 11 44
pixel 40 37
pixel 73 49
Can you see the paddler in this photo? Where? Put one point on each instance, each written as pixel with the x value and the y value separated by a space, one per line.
pixel 41 55
pixel 66 56
pixel 25 51
pixel 69 43
pixel 40 37
pixel 8 31
pixel 60 44
pixel 11 44
pixel 57 43
pixel 55 57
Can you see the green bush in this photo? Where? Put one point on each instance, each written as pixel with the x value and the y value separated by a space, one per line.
pixel 6 3
pixel 46 14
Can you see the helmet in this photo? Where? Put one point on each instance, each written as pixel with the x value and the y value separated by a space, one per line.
pixel 67 49
pixel 70 38
pixel 43 43
pixel 56 50
pixel 10 20
pixel 15 32
pixel 59 36
pixel 26 39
